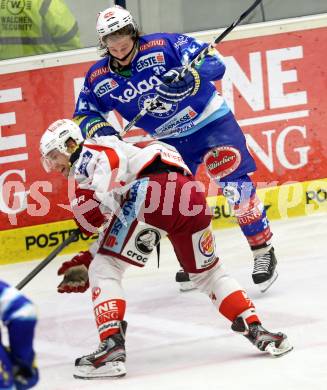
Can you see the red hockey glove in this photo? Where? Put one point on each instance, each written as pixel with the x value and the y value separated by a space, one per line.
pixel 75 273
pixel 87 213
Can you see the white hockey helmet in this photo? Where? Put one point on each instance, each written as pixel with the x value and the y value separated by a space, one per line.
pixel 56 137
pixel 113 19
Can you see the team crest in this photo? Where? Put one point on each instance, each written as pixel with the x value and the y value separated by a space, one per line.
pixel 146 240
pixel 161 110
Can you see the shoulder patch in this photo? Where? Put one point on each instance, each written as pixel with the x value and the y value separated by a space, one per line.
pixel 98 72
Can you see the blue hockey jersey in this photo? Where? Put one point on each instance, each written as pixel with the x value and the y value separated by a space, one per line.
pixel 194 125
pixel 105 90
pixel 19 316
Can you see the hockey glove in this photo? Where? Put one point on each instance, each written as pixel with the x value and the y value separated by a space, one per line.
pixel 75 273
pixel 25 377
pixel 175 91
pixel 87 213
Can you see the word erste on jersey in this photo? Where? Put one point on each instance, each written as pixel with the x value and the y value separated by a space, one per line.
pixel 105 90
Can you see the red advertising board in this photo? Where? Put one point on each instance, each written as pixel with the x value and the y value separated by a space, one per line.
pixel 276 85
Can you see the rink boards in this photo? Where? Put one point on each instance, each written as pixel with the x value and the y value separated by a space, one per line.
pixel 291 200
pixel 273 85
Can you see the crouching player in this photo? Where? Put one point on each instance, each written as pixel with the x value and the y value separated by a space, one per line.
pixel 150 193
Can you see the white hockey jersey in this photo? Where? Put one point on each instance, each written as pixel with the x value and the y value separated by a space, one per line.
pixel 109 166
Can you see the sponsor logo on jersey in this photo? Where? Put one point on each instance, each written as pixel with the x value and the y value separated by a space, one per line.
pixel 254 215
pixel 146 240
pixel 118 232
pixel 98 72
pixel 232 194
pixel 105 87
pixel 207 243
pixel 154 43
pixel 136 257
pixel 222 161
pixel 182 40
pixel 140 88
pixel 150 60
pixel 96 291
pixel 181 122
pixel 86 158
pixel 161 109
pixel 106 311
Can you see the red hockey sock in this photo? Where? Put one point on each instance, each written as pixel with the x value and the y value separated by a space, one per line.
pixel 108 315
pixel 238 304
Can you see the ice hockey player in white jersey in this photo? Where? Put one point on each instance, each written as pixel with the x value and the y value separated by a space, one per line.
pixel 107 176
pixel 189 114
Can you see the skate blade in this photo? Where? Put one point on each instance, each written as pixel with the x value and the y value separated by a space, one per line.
pixel 284 348
pixel 265 285
pixel 109 370
pixel 186 286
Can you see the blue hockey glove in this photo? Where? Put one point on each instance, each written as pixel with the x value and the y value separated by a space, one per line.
pixel 175 91
pixel 25 378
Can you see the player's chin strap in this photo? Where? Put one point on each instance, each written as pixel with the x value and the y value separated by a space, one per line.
pixel 192 64
pixel 75 155
pixel 126 56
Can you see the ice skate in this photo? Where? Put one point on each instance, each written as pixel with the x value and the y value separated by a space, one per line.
pixel 183 278
pixel 108 361
pixel 264 273
pixel 276 344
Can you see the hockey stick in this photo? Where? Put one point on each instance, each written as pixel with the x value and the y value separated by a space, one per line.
pixel 72 237
pixel 153 103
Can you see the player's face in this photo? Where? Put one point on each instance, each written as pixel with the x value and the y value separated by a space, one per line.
pixel 119 47
pixel 58 162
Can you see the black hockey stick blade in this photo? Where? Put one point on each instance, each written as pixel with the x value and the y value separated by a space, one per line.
pixel 192 64
pixel 72 237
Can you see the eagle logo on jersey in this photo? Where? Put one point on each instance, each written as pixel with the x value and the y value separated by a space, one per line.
pixel 146 240
pixel 161 110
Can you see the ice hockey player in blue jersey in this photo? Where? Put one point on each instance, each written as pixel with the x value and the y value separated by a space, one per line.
pixel 190 115
pixel 17 360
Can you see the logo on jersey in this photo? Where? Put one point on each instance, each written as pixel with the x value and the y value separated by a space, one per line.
pixel 207 243
pixel 180 123
pixel 85 90
pixel 154 43
pixel 98 72
pixel 161 109
pixel 86 158
pixel 146 240
pixel 105 87
pixel 96 291
pixel 150 60
pixel 182 40
pixel 232 194
pixel 221 161
pixel 140 88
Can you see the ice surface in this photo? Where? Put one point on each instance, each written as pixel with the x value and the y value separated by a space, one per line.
pixel 177 340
